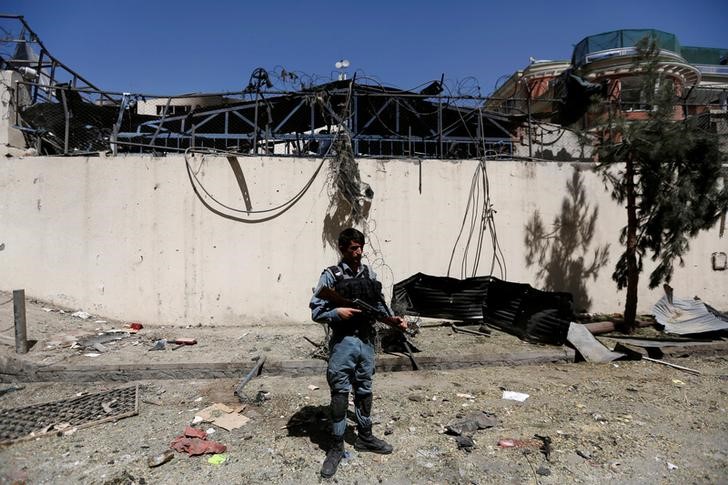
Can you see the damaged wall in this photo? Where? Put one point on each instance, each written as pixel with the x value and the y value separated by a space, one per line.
pixel 127 238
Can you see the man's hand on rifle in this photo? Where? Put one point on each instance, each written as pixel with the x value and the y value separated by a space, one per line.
pixel 397 322
pixel 346 313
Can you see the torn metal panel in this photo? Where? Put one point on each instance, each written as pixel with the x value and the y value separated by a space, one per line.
pixel 441 297
pixel 516 308
pixel 533 315
pixel 687 316
pixel 588 346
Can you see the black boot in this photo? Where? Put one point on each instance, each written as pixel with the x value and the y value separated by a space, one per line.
pixel 333 457
pixel 366 441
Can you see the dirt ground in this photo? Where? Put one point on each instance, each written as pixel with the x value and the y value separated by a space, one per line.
pixel 626 422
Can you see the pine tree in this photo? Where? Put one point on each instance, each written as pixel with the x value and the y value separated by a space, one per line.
pixel 670 176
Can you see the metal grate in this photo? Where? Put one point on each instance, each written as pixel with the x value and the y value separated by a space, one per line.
pixel 79 412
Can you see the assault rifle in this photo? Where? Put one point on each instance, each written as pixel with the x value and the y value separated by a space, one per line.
pixel 330 295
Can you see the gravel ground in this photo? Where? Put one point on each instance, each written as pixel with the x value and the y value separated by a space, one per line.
pixel 629 422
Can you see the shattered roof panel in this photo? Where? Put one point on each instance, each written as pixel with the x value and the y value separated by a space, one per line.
pixel 684 316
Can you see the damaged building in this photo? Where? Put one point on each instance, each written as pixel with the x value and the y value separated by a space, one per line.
pixel 178 208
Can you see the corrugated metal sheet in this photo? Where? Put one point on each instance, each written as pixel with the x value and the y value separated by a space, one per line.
pixel 516 308
pixel 531 314
pixel 684 317
pixel 441 297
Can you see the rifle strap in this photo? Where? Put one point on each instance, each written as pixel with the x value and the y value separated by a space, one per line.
pixel 336 272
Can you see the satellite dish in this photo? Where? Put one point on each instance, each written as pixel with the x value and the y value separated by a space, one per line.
pixel 342 64
pixel 339 65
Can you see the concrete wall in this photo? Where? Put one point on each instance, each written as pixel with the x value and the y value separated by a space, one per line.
pixel 126 237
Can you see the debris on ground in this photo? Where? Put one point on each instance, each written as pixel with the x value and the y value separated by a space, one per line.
pixel 194 442
pixel 225 417
pixel 516 308
pixel 6 390
pixel 92 342
pixel 78 412
pixel 81 314
pixel 217 459
pixel 160 458
pixel 254 372
pixel 684 316
pixel 515 396
pixel 465 426
pixel 588 346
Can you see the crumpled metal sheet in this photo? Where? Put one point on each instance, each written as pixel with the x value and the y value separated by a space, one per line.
pixel 516 308
pixel 441 297
pixel 588 346
pixel 687 316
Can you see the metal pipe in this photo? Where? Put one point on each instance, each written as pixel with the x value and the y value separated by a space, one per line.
pixel 21 338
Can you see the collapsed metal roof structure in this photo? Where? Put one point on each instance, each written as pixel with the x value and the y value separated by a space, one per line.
pixel 62 113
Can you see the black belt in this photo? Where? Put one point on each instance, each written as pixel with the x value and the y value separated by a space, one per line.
pixel 364 331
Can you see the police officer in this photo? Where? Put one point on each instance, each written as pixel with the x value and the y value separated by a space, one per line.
pixel 351 357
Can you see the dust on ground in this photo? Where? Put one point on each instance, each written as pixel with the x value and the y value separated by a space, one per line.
pixel 627 422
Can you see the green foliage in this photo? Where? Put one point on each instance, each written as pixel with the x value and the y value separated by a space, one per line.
pixel 679 182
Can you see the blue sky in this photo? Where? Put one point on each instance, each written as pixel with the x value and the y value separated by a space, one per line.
pixel 174 47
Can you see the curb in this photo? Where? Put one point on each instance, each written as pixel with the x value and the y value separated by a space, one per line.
pixel 24 372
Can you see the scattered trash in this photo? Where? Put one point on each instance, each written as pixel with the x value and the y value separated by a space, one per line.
pixel 678 382
pixel 465 396
pixel 100 348
pixel 91 341
pixel 182 342
pixel 194 442
pixel 210 431
pixel 223 416
pixel 47 309
pixel 136 326
pixel 471 423
pixel 542 443
pixel 82 315
pixel 671 467
pixel 515 396
pixel 465 443
pixel 91 354
pixel 160 459
pixel 584 454
pixel 217 459
pixel 160 344
pixel 311 387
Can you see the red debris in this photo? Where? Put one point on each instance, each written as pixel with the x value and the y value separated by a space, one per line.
pixel 194 442
pixel 136 326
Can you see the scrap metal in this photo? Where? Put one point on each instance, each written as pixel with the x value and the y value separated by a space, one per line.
pixel 79 412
